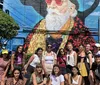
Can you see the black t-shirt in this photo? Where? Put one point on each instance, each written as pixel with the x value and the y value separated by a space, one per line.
pixel 96 70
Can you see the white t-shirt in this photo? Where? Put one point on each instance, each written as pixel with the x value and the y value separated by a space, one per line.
pixel 56 80
pixel 35 61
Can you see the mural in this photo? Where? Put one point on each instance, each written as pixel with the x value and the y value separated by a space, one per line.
pixel 37 16
pixel 65 22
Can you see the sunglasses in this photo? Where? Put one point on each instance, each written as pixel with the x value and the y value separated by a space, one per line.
pixel 58 2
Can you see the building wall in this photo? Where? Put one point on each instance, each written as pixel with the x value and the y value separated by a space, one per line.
pixel 27 13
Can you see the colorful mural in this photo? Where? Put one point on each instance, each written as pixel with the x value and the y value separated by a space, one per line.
pixel 32 15
pixel 65 22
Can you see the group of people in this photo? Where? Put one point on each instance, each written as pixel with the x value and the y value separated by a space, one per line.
pixel 66 67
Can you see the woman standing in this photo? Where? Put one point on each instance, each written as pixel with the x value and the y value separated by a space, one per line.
pixel 49 59
pixel 71 56
pixel 18 58
pixel 75 78
pixel 56 78
pixel 89 56
pixel 61 60
pixel 82 64
pixel 38 78
pixel 16 78
pixel 4 65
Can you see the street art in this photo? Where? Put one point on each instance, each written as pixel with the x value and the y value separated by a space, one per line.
pixel 65 23
pixel 38 17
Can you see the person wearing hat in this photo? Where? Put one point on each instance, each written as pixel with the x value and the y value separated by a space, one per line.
pixel 4 65
pixel 95 71
pixel 98 47
pixel 61 18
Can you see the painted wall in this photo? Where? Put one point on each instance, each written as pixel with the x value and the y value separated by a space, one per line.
pixel 27 13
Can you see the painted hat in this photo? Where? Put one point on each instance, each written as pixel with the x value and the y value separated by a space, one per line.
pixel 76 3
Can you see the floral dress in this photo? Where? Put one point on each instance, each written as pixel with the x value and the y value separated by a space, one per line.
pixel 11 82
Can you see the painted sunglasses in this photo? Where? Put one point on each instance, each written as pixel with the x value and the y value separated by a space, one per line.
pixel 58 2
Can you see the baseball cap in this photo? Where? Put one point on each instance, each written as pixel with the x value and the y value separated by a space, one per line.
pixel 4 51
pixel 97 45
pixel 97 55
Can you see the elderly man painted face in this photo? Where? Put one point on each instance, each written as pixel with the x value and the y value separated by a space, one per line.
pixel 59 11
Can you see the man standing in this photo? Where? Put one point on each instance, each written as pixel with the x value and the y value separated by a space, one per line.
pixel 63 24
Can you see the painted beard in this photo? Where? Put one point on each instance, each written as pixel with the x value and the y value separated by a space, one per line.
pixel 55 20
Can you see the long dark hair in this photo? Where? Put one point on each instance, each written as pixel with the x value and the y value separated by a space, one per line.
pixel 77 70
pixel 59 53
pixel 20 76
pixel 16 52
pixel 53 73
pixel 36 52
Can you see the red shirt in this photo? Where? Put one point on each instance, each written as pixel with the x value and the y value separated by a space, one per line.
pixel 61 61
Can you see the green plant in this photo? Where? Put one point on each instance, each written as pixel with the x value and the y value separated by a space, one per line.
pixel 27 57
pixel 8 27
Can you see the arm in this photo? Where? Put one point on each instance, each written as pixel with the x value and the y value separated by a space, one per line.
pixel 55 56
pixel 90 60
pixel 24 57
pixel 12 61
pixel 80 80
pixel 43 66
pixel 34 79
pixel 9 62
pixel 69 79
pixel 50 82
pixel 29 61
pixel 5 72
pixel 44 82
pixel 75 58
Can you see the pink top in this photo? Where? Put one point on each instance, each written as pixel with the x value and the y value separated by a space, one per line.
pixel 3 65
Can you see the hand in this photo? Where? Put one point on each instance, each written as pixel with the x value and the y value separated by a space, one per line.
pixel 12 68
pixel 3 78
pixel 91 75
pixel 25 67
pixel 25 71
pixel 24 53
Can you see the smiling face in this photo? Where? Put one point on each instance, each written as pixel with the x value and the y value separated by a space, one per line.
pixel 81 48
pixel 56 70
pixel 16 74
pixel 49 48
pixel 20 48
pixel 40 52
pixel 39 69
pixel 70 47
pixel 88 47
pixel 74 71
pixel 62 51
